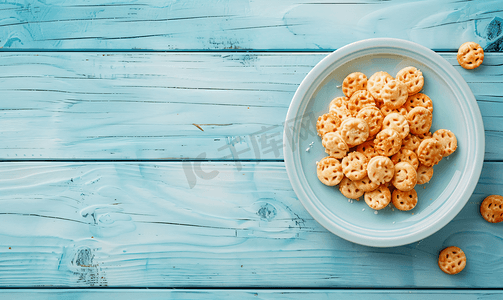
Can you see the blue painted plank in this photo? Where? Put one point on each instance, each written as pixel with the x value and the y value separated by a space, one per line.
pixel 142 225
pixel 203 294
pixel 172 105
pixel 257 25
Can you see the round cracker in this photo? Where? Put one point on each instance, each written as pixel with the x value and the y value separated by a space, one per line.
pixel 413 78
pixel 398 123
pixel 328 122
pixel 378 198
pixel 339 107
pixel 452 260
pixel 387 142
pixel 424 174
pixel 405 177
pixel 354 131
pixel 430 152
pixel 394 94
pixel 376 83
pixel 349 189
pixel 406 155
pixel 367 148
pixel 380 169
pixel 354 165
pixel 359 100
pixel 354 82
pixel 420 120
pixel 491 209
pixel 470 55
pixel 329 171
pixel 404 200
pixel 447 139
pixel 334 145
pixel 418 100
pixel 373 116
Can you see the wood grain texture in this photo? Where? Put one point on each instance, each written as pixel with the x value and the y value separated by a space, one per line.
pixel 231 223
pixel 140 225
pixel 229 294
pixel 103 106
pixel 255 25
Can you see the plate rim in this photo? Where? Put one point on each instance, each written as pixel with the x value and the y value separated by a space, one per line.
pixel 471 103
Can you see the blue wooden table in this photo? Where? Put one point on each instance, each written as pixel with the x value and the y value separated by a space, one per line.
pixel 128 133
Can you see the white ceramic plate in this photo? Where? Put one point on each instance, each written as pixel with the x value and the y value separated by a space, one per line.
pixel 454 179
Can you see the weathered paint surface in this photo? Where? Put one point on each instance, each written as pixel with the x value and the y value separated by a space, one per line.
pixel 245 25
pixel 249 294
pixel 140 224
pixel 173 105
pixel 86 201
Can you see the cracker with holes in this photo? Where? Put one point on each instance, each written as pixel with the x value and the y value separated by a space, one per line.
pixel 339 107
pixel 447 139
pixel 452 260
pixel 376 83
pixel 354 82
pixel 411 142
pixel 398 123
pixel 394 94
pixel 405 177
pixel 349 189
pixel 406 155
pixel 329 171
pixel 386 111
pixel 379 141
pixel 424 174
pixel 387 142
pixel 430 152
pixel 418 100
pixel 378 198
pixel 380 169
pixel 420 120
pixel 334 145
pixel 366 184
pixel 354 166
pixel 413 78
pixel 470 55
pixel 404 200
pixel 491 209
pixel 359 100
pixel 328 122
pixel 373 117
pixel 354 131
pixel 367 148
